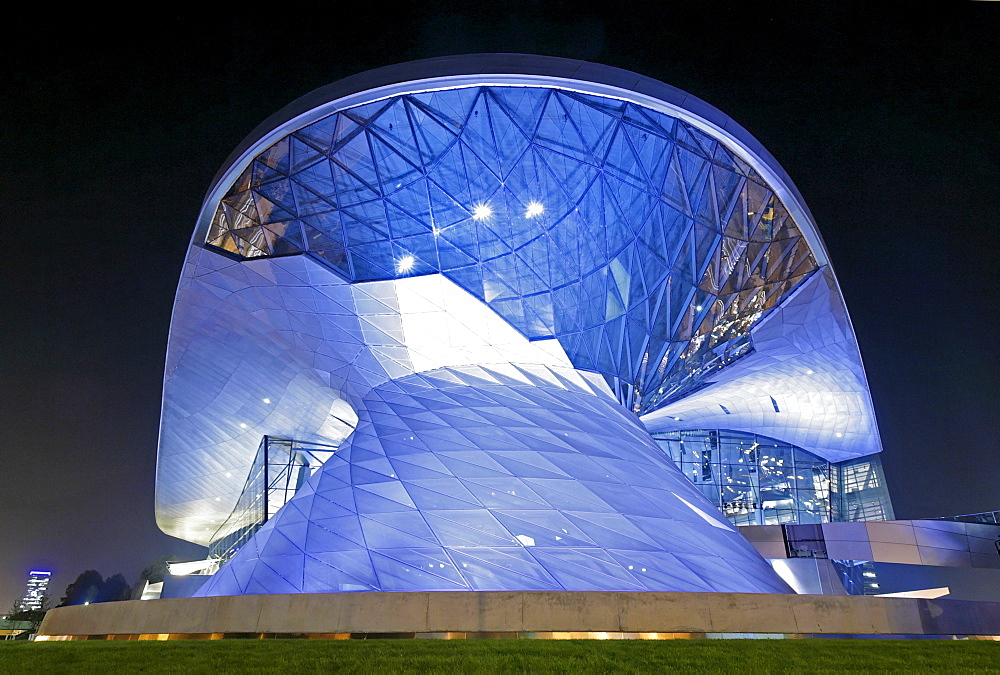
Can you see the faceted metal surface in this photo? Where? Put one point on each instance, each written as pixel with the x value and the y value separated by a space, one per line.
pixel 804 382
pixel 470 478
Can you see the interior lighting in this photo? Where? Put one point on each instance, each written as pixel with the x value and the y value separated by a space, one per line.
pixel 534 209
pixel 267 400
pixel 405 264
pixel 481 212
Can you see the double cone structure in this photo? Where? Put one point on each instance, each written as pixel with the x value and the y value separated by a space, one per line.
pixel 461 293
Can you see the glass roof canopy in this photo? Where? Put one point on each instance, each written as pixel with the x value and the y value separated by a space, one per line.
pixel 645 246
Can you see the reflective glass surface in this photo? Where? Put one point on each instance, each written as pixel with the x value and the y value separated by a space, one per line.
pixel 278 471
pixel 645 246
pixel 756 480
pixel 860 489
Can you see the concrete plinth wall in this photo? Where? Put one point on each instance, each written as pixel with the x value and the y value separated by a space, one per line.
pixel 525 612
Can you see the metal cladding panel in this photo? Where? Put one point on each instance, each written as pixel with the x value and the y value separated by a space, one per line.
pixel 469 478
pixel 561 258
pixel 803 382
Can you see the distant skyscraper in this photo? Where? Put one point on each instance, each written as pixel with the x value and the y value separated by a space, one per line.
pixel 38 584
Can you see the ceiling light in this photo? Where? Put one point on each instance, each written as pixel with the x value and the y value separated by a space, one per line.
pixel 481 212
pixel 405 264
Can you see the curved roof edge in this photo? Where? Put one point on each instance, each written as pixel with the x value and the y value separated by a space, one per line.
pixel 515 69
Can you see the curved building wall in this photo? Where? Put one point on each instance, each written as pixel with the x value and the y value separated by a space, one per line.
pixel 536 246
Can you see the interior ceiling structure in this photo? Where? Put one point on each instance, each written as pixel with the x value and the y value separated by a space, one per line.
pixel 645 246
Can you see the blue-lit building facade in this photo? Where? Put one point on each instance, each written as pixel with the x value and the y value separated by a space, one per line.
pixel 35 591
pixel 503 322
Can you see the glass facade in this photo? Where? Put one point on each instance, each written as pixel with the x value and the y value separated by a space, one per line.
pixel 859 577
pixel 278 471
pixel 756 480
pixel 860 492
pixel 645 246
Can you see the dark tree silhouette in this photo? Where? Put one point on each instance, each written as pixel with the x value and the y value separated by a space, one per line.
pixel 115 588
pixel 155 571
pixel 90 587
pixel 87 588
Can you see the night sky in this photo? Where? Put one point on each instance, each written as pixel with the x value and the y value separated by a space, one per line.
pixel 112 130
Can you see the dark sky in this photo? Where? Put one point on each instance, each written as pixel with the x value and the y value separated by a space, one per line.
pixel 111 131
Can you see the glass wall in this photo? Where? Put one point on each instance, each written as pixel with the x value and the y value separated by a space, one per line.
pixel 278 471
pixel 858 576
pixel 756 480
pixel 860 492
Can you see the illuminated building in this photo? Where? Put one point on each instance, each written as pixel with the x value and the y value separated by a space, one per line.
pixel 35 591
pixel 445 325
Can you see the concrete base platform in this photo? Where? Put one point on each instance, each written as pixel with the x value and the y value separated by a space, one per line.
pixel 521 614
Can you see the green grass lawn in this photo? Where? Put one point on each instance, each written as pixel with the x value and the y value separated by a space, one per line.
pixel 463 656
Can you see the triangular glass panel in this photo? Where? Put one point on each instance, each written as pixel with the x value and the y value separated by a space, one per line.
pixel 433 139
pixel 394 170
pixel 276 156
pixel 309 202
pixel 319 134
pixel 523 104
pixel 558 132
pixel 621 160
pixel 393 127
pixel 509 139
pixel 275 201
pixel 596 123
pixel 302 155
